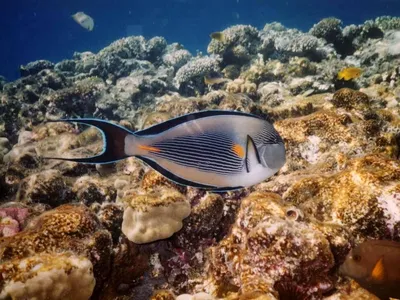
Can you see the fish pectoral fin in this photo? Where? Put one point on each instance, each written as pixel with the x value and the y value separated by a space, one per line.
pixel 252 156
pixel 378 273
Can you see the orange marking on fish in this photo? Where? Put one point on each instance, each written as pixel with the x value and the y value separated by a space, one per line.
pixel 149 148
pixel 378 272
pixel 238 150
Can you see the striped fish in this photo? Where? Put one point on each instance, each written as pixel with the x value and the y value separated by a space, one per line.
pixel 215 150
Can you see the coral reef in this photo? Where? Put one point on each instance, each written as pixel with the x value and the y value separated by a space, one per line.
pixel 123 231
pixel 65 229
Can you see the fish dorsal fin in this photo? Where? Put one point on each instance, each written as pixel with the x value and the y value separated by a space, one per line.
pixel 378 272
pixel 161 127
pixel 252 156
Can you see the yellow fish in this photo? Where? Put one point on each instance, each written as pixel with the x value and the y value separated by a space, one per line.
pixel 219 36
pixel 349 73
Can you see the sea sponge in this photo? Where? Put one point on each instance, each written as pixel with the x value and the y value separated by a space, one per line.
pixel 348 99
pixel 47 277
pixel 154 216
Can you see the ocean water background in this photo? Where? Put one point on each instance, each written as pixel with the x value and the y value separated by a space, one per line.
pixel 43 29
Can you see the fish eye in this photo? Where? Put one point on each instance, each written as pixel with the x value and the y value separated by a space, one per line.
pixel 356 257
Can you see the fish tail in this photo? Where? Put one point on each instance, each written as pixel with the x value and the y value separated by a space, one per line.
pixel 113 139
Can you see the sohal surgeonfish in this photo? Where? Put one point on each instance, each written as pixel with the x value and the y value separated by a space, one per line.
pixel 215 150
pixel 375 265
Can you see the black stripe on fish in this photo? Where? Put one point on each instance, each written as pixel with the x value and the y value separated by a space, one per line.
pixel 182 181
pixel 250 143
pixel 214 156
pixel 158 128
pixel 268 136
pixel 203 151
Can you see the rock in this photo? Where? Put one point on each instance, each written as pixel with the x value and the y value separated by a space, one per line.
pixel 35 67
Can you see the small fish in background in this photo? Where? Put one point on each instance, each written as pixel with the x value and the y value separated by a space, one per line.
pixel 375 265
pixel 349 73
pixel 215 150
pixel 84 20
pixel 214 80
pixel 219 36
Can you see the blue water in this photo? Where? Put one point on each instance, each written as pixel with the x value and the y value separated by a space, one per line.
pixel 44 29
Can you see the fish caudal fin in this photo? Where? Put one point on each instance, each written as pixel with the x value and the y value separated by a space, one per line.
pixel 113 139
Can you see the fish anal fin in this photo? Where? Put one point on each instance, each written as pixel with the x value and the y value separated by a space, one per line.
pixel 378 273
pixel 172 176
